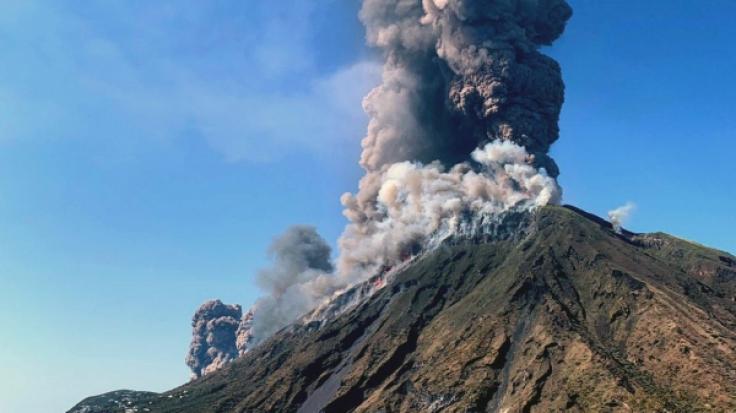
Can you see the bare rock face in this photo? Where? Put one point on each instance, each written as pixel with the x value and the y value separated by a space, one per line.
pixel 213 337
pixel 568 316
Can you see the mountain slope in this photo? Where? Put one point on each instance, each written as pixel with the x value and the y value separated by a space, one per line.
pixel 560 314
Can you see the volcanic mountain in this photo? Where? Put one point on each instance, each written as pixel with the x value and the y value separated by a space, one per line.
pixel 554 312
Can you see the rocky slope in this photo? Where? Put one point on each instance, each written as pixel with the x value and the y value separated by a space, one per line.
pixel 563 315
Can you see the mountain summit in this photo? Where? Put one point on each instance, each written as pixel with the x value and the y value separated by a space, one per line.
pixel 558 313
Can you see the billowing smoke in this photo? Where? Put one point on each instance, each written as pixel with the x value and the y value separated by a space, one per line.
pixel 458 75
pixel 213 337
pixel 620 215
pixel 417 204
pixel 296 282
pixel 459 134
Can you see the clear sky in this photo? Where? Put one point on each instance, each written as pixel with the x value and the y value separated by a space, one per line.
pixel 150 150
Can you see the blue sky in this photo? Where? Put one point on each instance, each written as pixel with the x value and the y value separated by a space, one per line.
pixel 150 150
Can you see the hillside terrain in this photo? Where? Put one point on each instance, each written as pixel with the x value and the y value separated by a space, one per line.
pixel 560 313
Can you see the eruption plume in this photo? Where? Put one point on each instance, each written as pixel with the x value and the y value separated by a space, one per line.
pixel 458 75
pixel 459 134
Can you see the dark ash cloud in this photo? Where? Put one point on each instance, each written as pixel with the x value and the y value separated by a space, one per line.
pixel 213 337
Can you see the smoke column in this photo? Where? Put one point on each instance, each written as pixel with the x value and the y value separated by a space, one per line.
pixel 461 124
pixel 458 73
pixel 459 134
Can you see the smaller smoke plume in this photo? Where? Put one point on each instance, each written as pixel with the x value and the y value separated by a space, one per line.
pixel 296 282
pixel 213 337
pixel 620 215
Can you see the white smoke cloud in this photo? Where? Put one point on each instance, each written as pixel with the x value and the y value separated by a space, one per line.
pixel 620 215
pixel 413 203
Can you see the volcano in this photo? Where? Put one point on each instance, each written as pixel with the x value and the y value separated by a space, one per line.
pixel 556 311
